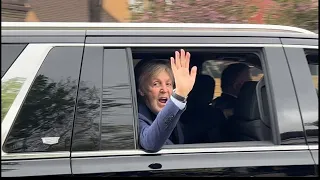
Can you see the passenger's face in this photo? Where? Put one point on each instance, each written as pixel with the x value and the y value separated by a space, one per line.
pixel 243 77
pixel 157 91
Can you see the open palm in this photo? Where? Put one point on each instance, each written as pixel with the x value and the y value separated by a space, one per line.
pixel 184 79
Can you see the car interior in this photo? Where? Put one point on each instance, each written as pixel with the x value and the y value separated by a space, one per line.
pixel 203 123
pixel 313 62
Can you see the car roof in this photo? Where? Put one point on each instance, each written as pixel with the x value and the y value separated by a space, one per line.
pixel 156 29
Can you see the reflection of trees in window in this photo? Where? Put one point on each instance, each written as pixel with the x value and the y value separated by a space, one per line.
pixel 115 96
pixel 315 123
pixel 9 91
pixel 48 111
pixel 117 119
pixel 87 122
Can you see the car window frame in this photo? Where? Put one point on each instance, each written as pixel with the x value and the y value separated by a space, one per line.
pixel 140 152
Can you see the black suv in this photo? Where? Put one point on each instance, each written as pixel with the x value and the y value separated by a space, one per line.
pixel 69 103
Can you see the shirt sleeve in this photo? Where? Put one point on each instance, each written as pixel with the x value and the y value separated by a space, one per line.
pixel 178 103
pixel 153 137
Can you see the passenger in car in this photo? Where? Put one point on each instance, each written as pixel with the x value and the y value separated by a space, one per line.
pixel 201 123
pixel 232 79
pixel 160 106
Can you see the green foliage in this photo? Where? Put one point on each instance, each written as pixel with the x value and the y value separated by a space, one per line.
pixel 9 91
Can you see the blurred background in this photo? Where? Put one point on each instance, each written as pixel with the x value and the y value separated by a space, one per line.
pixel 298 13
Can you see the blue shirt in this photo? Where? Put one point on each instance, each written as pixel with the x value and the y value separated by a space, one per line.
pixel 154 133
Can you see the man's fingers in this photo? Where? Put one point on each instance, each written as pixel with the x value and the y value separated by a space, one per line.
pixel 178 60
pixel 183 58
pixel 193 72
pixel 173 65
pixel 188 55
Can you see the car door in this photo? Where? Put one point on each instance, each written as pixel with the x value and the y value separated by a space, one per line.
pixel 39 89
pixel 105 141
pixel 303 60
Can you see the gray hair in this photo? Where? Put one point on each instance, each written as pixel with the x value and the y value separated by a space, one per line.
pixel 145 70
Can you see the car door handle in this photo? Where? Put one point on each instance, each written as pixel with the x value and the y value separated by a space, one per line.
pixel 155 166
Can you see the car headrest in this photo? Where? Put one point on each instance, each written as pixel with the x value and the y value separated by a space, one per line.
pixel 247 103
pixel 202 91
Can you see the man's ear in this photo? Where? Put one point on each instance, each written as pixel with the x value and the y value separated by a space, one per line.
pixel 140 92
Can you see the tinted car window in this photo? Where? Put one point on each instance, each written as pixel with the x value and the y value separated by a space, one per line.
pixel 45 120
pixel 86 133
pixel 104 119
pixel 313 63
pixel 9 54
pixel 117 110
pixel 214 68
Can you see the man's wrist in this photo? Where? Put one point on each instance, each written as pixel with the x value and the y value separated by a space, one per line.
pixel 181 105
pixel 179 97
pixel 185 95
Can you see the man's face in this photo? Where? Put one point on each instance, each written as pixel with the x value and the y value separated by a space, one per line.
pixel 242 78
pixel 157 91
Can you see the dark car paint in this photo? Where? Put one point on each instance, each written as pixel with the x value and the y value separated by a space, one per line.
pixel 192 162
pixel 262 171
pixel 39 167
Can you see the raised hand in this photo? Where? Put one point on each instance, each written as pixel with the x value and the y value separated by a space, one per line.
pixel 184 79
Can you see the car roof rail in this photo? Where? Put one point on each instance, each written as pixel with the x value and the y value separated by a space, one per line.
pixel 147 26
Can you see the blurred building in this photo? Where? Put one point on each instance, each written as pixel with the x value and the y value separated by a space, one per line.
pixel 65 10
pixel 13 10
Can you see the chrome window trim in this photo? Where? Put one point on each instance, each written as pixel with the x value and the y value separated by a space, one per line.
pixel 189 151
pixel 301 46
pixel 314 147
pixel 139 152
pixel 26 57
pixel 184 45
pixel 201 45
pixel 35 155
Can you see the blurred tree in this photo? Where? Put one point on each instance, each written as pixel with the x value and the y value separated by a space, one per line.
pixel 192 11
pixel 299 13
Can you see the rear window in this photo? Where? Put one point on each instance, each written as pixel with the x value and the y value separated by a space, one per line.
pixel 45 119
pixel 9 54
